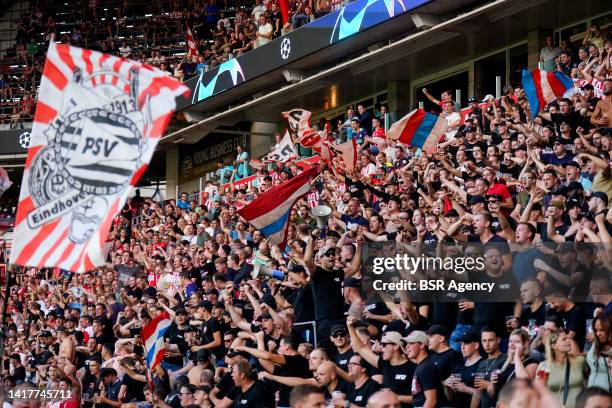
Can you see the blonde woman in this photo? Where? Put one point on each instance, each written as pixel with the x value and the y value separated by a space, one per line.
pixel 562 371
pixel 518 364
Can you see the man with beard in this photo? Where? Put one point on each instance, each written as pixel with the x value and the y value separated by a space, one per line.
pixel 396 369
pixel 326 283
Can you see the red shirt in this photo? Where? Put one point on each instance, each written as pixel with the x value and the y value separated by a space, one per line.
pixel 501 189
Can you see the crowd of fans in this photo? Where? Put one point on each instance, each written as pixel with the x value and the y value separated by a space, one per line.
pixel 533 192
pixel 153 32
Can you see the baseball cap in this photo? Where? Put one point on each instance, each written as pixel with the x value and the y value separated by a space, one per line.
pixel 438 329
pixel 561 190
pixel 417 336
pixel 297 269
pixel 470 337
pixel 203 355
pixel 351 282
pixel 575 185
pixel 476 200
pixel 180 310
pixel 601 195
pixel 572 163
pixel 206 305
pixel 338 328
pixel 571 203
pixel 325 249
pixel 392 337
pixel 487 97
pixel 263 316
pixel 556 204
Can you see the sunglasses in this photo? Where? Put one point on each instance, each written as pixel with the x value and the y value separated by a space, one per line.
pixel 329 254
pixel 338 334
pixel 492 201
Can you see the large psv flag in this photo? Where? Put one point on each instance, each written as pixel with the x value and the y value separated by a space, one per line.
pixel 153 339
pixel 270 212
pixel 418 128
pixel 98 120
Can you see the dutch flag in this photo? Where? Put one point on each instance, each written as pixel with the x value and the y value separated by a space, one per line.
pixel 153 339
pixel 270 212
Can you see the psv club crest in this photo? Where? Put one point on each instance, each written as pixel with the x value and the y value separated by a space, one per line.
pixel 94 146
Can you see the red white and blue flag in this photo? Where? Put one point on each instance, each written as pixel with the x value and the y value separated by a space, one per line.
pixel 153 339
pixel 193 48
pixel 97 123
pixel 418 128
pixel 542 87
pixel 270 212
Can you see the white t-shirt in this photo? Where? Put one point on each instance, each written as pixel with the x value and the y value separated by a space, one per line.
pixel 450 134
pixel 265 29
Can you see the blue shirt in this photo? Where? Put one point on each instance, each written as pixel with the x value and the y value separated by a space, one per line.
pixel 184 205
pixel 243 168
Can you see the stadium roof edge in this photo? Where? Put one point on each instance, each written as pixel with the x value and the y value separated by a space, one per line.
pixel 405 46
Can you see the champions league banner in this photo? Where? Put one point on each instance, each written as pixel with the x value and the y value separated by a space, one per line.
pixel 354 18
pixel 97 123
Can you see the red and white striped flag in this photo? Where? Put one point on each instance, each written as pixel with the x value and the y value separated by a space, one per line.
pixel 193 48
pixel 98 120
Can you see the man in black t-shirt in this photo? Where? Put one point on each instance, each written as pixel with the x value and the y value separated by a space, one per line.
pixel 571 314
pixel 426 383
pixel 210 334
pixel 248 392
pixel 396 370
pixel 444 357
pixel 362 387
pixel 19 373
pixel 326 283
pixel 287 363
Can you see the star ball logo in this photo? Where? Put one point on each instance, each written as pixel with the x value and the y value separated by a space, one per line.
pixel 24 140
pixel 285 48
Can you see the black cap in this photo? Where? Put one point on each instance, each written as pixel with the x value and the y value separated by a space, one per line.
pixel 571 203
pixel 180 310
pixel 601 195
pixel 265 315
pixel 476 200
pixel 297 269
pixel 206 305
pixel 351 282
pixel 572 163
pixel 470 337
pixel 338 328
pixel 45 333
pixel 561 190
pixel 452 213
pixel 575 185
pixel 438 329
pixel 203 355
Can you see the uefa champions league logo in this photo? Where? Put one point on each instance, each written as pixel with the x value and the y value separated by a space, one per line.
pixel 24 140
pixel 285 48
pixel 94 146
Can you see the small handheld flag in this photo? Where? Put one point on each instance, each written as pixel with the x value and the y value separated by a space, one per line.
pixel 153 339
